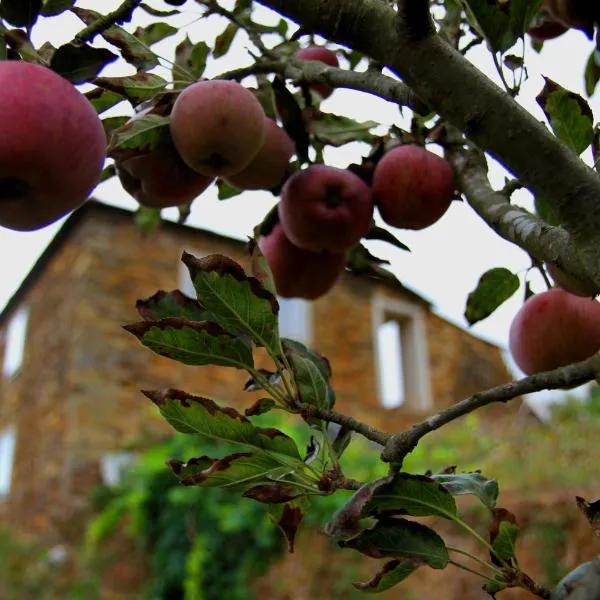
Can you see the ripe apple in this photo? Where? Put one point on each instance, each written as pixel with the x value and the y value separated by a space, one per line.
pixel 553 329
pixel 300 273
pixel 159 178
pixel 570 283
pixel 267 168
pixel 324 208
pixel 217 126
pixel 325 56
pixel 52 147
pixel 412 187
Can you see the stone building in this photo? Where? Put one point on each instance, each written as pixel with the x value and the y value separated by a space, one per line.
pixel 70 406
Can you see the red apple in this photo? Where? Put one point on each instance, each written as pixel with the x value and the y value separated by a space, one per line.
pixel 267 168
pixel 553 329
pixel 217 126
pixel 159 178
pixel 324 208
pixel 325 56
pixel 299 273
pixel 412 187
pixel 52 146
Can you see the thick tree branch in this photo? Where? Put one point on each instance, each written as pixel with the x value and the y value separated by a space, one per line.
pixel 543 242
pixel 466 98
pixel 120 15
pixel 400 444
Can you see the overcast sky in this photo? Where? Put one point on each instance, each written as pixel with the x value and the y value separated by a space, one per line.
pixel 446 259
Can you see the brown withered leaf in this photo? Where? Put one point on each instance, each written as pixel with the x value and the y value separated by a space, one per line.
pixel 288 520
pixel 550 87
pixel 277 493
pixel 346 521
pixel 591 510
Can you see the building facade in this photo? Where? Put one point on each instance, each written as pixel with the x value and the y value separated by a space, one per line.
pixel 70 406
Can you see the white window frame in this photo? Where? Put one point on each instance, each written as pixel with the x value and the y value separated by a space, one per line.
pixel 184 281
pixel 294 307
pixel 14 342
pixel 415 357
pixel 8 441
pixel 113 466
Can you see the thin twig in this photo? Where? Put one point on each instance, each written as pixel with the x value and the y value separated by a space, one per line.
pixel 310 71
pixel 400 444
pixel 119 15
pixel 371 433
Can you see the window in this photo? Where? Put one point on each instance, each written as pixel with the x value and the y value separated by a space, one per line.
pixel 7 454
pixel 114 465
pixel 294 319
pixel 185 281
pixel 15 342
pixel 400 347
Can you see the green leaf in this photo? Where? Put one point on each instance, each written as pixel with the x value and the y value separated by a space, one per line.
pixel 403 539
pixel 20 13
pixel 132 50
pixel 226 190
pixel 142 133
pixel 260 407
pixel 493 586
pixel 108 172
pixel 146 219
pixel 3 46
pixel 311 374
pixel 384 235
pixel 494 287
pixel 193 343
pixel 240 303
pixel 190 59
pixel 238 471
pixel 459 484
pixel 134 88
pixel 503 534
pixel 392 573
pixel 492 23
pixel 112 123
pixel 522 13
pixel 414 495
pixel 155 12
pixel 202 416
pixel 337 130
pixel 545 212
pixel 78 63
pixel 171 304
pixel 224 40
pixel 592 74
pixel 102 100
pixel 155 32
pixel 55 7
pixel 568 122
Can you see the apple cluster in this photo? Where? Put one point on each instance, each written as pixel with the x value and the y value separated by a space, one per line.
pixel 325 211
pixel 52 148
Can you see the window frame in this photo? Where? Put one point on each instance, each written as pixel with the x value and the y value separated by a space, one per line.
pixel 18 325
pixel 8 441
pixel 307 338
pixel 416 372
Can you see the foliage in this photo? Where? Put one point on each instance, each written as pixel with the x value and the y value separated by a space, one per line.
pixel 30 570
pixel 295 475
